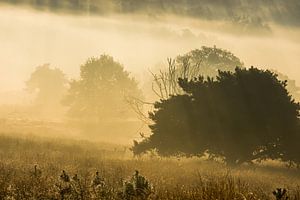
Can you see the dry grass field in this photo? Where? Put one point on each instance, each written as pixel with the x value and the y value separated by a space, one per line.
pixel 118 99
pixel 36 168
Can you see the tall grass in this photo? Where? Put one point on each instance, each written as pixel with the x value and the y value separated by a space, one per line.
pixel 32 168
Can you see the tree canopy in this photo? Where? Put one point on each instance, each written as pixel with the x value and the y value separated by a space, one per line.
pixel 199 62
pixel 101 90
pixel 209 60
pixel 239 116
pixel 48 83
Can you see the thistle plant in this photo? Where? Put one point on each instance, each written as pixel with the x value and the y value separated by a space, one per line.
pixel 280 194
pixel 64 186
pixel 98 181
pixel 137 188
pixel 64 176
pixel 128 191
pixel 36 172
pixel 99 188
pixel 11 193
pixel 76 187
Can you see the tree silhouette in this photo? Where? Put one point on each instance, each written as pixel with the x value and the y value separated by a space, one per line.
pixel 240 116
pixel 199 62
pixel 101 90
pixel 209 60
pixel 49 85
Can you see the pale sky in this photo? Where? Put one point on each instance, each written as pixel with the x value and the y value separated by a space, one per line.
pixel 30 38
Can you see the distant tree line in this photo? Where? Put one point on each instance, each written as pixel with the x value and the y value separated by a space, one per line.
pixel 208 104
pixel 100 93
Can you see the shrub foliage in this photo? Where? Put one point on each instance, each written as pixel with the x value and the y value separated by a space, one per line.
pixel 240 116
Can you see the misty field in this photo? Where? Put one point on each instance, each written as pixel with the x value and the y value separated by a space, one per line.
pixel 149 99
pixel 32 168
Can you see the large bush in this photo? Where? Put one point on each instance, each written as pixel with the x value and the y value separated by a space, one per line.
pixel 240 116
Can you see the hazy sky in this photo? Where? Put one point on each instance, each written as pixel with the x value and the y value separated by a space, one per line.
pixel 30 38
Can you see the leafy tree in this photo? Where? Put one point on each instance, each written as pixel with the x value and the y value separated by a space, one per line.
pixel 49 85
pixel 101 90
pixel 209 60
pixel 198 62
pixel 240 116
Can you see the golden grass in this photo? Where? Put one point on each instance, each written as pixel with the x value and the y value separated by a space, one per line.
pixel 172 178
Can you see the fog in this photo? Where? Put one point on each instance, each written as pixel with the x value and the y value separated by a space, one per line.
pixel 140 41
pixel 30 38
pixel 99 89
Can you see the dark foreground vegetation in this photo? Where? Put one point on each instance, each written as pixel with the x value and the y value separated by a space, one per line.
pixel 239 116
pixel 33 168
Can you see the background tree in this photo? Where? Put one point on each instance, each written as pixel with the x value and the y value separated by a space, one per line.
pixel 199 62
pixel 240 116
pixel 207 61
pixel 49 86
pixel 101 90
